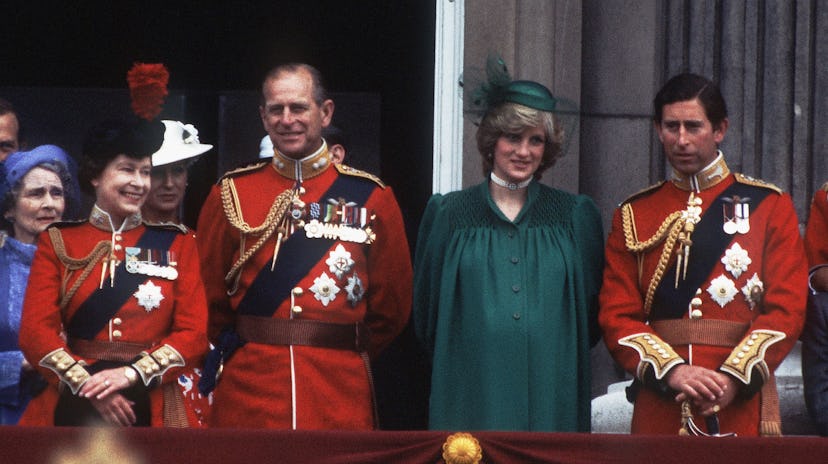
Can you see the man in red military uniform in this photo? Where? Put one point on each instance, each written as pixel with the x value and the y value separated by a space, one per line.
pixel 815 334
pixel 816 240
pixel 704 286
pixel 308 272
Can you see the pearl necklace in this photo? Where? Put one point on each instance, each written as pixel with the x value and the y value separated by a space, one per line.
pixel 509 185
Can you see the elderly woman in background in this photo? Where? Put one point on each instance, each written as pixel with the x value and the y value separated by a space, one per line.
pixel 507 274
pixel 36 188
pixel 115 309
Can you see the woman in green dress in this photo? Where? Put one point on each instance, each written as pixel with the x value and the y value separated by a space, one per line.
pixel 507 274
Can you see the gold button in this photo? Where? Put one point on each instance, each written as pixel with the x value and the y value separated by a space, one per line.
pixel 116 333
pixel 117 321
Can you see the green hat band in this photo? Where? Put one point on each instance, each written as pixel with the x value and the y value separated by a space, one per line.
pixel 531 94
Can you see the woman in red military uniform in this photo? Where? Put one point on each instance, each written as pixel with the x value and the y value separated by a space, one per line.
pixel 115 308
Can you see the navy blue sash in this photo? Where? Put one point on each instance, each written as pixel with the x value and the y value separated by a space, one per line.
pixel 297 256
pixel 94 313
pixel 710 241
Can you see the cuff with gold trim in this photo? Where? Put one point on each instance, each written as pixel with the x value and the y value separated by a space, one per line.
pixel 69 370
pixel 654 352
pixel 155 364
pixel 750 353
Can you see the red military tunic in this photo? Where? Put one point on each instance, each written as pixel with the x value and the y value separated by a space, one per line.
pixel 769 256
pixel 816 233
pixel 292 386
pixel 172 327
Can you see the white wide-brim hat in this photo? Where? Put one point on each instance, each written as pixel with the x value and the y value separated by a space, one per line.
pixel 266 147
pixel 180 142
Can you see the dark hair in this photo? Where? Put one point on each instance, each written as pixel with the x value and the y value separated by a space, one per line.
pixel 333 135
pixel 688 86
pixel 6 107
pixel 12 195
pixel 509 118
pixel 320 94
pixel 106 141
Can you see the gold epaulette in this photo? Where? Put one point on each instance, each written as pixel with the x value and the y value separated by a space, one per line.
pixel 168 226
pixel 243 169
pixel 750 353
pixel 654 352
pixel 824 187
pixel 155 364
pixel 69 371
pixel 743 179
pixel 643 192
pixel 349 171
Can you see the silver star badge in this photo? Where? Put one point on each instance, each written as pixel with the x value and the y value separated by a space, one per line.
pixel 340 261
pixel 149 296
pixel 355 289
pixel 722 290
pixel 324 289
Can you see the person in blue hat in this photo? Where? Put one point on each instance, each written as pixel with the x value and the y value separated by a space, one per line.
pixel 507 274
pixel 36 189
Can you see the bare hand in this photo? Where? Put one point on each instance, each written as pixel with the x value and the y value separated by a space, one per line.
pixel 104 383
pixel 115 410
pixel 700 385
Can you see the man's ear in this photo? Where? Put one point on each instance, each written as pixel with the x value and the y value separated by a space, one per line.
pixel 337 153
pixel 719 132
pixel 327 112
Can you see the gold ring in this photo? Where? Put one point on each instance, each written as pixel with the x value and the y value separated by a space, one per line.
pixel 716 408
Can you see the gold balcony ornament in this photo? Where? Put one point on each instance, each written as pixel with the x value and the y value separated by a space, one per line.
pixel 462 448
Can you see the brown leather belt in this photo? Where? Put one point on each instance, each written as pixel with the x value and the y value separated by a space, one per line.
pixel 272 331
pixel 714 332
pixel 106 351
pixel 723 333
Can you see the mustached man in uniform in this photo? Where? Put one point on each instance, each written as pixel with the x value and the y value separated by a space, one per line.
pixel 308 270
pixel 705 282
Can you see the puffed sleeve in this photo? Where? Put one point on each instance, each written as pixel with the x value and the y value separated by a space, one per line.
pixel 428 265
pixel 589 235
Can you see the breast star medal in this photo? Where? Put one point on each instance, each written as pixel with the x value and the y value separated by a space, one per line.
pixel 149 296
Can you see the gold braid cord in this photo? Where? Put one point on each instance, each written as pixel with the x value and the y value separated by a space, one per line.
pixel 232 209
pixel 669 230
pixel 88 262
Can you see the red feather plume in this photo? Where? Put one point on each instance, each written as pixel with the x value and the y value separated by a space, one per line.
pixel 147 88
